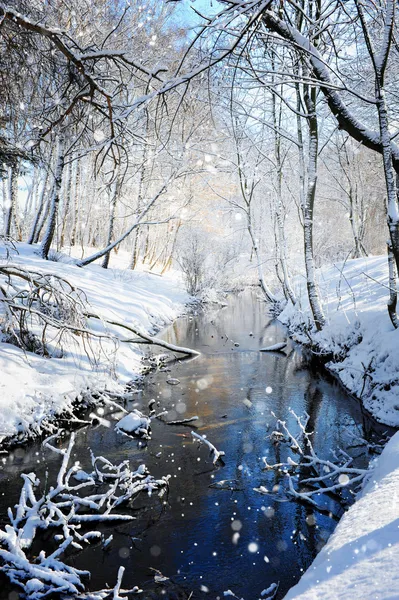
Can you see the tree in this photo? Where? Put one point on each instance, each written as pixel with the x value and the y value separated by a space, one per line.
pixel 318 34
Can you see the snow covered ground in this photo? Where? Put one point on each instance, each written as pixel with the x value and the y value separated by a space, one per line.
pixel 360 560
pixel 358 332
pixel 33 388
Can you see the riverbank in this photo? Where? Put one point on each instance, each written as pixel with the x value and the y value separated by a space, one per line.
pixel 360 558
pixel 358 334
pixel 35 389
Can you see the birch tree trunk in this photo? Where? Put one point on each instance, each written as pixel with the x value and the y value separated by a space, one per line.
pixel 54 200
pixel 112 210
pixel 12 201
pixel 140 195
pixel 76 198
pixel 308 208
pixel 380 61
pixel 38 216
pixel 67 203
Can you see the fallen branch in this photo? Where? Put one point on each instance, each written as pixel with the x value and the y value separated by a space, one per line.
pixel 217 454
pixel 144 336
pixel 37 305
pixel 274 348
pixel 327 477
pixel 76 498
pixel 181 422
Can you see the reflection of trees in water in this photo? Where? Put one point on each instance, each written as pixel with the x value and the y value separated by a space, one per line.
pixel 313 400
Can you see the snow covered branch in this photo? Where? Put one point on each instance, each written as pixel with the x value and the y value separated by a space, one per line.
pixel 217 454
pixel 324 476
pixel 76 499
pixel 42 309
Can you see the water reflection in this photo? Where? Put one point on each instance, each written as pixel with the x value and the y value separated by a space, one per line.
pixel 205 534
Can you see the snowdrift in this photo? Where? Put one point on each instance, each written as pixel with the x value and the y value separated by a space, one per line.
pixel 34 389
pixel 358 332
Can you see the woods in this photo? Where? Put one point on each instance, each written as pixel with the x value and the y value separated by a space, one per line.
pixel 234 163
pixel 127 130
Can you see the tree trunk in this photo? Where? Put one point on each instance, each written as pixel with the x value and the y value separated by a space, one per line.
pixel 263 285
pixel 38 217
pixel 54 200
pixel 114 198
pixel 76 198
pixel 86 261
pixel 308 208
pixel 280 212
pixel 67 203
pixel 11 205
pixel 140 195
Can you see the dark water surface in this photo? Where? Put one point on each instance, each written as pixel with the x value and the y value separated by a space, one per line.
pixel 233 388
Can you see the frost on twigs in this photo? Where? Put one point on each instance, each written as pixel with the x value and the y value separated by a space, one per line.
pixel 74 502
pixel 321 476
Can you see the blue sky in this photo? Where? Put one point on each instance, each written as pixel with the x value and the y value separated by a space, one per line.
pixel 188 17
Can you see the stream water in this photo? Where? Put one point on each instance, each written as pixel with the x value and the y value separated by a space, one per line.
pixel 233 389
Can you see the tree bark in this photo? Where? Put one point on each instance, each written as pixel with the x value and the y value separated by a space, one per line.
pixel 114 198
pixel 308 208
pixel 280 212
pixel 54 200
pixel 67 203
pixel 11 206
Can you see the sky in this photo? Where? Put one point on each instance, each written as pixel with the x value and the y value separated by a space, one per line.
pixel 187 15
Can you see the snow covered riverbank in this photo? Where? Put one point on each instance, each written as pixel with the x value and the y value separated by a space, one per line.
pixel 361 557
pixel 358 333
pixel 360 560
pixel 34 389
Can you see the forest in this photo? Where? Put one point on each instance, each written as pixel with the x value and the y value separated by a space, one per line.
pixel 228 169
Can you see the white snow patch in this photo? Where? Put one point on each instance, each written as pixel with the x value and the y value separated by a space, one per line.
pixel 134 423
pixel 33 388
pixel 361 558
pixel 358 332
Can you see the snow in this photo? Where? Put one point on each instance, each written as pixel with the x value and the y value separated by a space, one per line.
pixel 361 558
pixel 60 508
pixel 358 332
pixel 134 423
pixel 274 347
pixel 34 389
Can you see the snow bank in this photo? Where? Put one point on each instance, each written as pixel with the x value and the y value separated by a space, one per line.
pixel 33 388
pixel 358 332
pixel 361 558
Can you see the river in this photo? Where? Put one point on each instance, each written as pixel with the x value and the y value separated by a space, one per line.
pixel 215 532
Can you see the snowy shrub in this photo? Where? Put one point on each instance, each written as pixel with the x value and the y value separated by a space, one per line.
pixel 204 263
pixel 60 257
